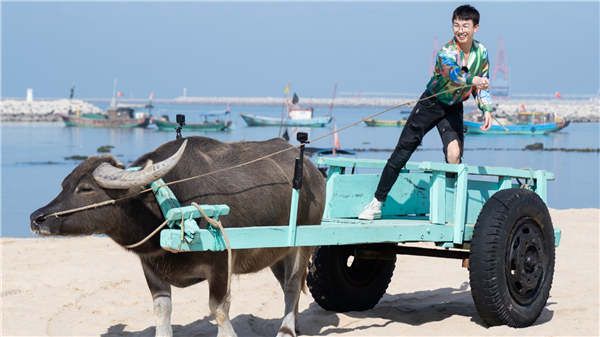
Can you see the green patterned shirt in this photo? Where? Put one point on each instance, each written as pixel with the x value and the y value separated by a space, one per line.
pixel 448 74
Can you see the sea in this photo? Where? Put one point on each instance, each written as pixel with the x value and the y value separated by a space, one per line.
pixel 34 155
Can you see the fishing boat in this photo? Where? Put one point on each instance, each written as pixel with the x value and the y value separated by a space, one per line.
pixel 219 124
pixel 296 116
pixel 524 123
pixel 385 122
pixel 115 117
pixel 254 120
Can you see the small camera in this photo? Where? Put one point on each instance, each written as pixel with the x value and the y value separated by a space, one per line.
pixel 302 137
pixel 180 118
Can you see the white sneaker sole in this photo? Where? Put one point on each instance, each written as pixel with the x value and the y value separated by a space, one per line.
pixel 369 216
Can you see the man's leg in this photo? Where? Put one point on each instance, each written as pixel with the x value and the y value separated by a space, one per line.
pixel 425 115
pixel 452 133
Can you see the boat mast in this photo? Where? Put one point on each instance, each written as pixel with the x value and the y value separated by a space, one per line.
pixel 286 93
pixel 71 95
pixel 149 106
pixel 332 99
pixel 336 138
pixel 113 101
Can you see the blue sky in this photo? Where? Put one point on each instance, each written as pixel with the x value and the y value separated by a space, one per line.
pixel 254 49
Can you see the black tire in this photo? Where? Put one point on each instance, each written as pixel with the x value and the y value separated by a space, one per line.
pixel 339 287
pixel 512 258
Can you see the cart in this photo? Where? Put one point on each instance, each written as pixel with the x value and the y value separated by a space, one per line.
pixel 495 219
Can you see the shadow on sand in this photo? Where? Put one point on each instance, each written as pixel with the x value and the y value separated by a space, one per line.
pixel 414 309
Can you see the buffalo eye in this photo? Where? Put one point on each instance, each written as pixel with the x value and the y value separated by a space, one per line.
pixel 84 188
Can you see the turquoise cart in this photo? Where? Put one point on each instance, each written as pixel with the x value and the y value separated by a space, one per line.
pixel 494 219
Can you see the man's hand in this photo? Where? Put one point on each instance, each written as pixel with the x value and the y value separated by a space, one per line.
pixel 487 123
pixel 482 83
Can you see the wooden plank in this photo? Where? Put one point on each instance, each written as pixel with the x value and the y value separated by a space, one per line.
pixel 360 163
pixel 437 198
pixel 541 185
pixel 164 196
pixel 191 212
pixel 504 183
pixel 314 235
pixel 460 204
pixel 293 217
pixel 482 170
pixel 348 194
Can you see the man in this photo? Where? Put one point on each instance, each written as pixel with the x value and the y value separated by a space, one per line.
pixel 461 69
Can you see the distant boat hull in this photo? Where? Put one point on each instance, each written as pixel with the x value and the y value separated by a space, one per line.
pixel 206 126
pixel 319 151
pixel 514 129
pixel 254 120
pixel 385 122
pixel 101 121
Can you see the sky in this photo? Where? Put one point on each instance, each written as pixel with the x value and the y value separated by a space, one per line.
pixel 255 48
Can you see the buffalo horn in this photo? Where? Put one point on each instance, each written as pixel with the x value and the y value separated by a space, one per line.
pixel 109 176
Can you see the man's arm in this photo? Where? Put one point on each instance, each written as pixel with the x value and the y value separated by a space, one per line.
pixel 453 72
pixel 483 97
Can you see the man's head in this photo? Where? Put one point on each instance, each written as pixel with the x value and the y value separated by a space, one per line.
pixel 465 22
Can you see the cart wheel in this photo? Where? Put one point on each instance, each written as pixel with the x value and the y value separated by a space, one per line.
pixel 512 258
pixel 338 281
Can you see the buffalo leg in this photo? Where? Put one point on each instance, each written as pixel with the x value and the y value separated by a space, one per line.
pixel 294 274
pixel 219 301
pixel 161 297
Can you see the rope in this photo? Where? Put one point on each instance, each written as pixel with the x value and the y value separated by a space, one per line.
pixel 98 204
pixel 112 201
pixel 73 210
pixel 217 224
pixel 502 125
pixel 147 237
pixel 312 141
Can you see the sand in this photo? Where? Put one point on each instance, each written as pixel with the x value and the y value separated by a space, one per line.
pixel 89 286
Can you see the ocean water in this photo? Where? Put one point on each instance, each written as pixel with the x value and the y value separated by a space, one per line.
pixel 34 164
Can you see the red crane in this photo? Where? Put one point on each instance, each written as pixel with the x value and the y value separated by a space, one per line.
pixel 500 87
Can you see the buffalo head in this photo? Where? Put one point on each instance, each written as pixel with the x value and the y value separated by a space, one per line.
pixel 95 180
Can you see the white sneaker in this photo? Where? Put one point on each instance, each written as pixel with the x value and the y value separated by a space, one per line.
pixel 372 211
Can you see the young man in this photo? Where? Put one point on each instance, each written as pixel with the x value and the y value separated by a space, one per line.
pixel 461 69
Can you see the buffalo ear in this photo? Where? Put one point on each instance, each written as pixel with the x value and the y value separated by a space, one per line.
pixel 119 164
pixel 113 161
pixel 148 164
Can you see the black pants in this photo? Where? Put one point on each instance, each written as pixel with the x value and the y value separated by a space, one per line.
pixel 425 115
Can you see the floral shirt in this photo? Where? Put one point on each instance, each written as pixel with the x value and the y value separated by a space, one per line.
pixel 449 73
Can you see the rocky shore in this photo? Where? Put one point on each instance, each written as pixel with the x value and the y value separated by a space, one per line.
pixel 575 110
pixel 42 110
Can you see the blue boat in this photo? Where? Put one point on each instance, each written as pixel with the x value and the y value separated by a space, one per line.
pixel 526 123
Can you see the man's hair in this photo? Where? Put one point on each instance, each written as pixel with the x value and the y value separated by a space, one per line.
pixel 466 12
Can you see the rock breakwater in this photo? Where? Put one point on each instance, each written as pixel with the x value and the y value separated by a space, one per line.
pixel 42 110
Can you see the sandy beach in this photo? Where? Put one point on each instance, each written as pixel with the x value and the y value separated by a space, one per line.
pixel 89 286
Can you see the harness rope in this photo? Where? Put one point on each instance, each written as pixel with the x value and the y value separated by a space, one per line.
pixel 113 201
pixel 148 237
pixel 217 224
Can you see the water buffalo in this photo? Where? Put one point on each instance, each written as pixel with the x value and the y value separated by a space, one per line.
pixel 258 195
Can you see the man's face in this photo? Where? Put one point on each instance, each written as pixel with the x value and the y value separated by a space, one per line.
pixel 464 30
